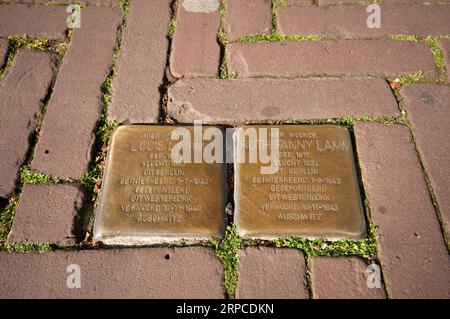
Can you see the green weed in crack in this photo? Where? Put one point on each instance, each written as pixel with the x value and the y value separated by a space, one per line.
pixel 223 41
pixel 93 177
pixel 226 250
pixel 365 248
pixel 26 248
pixel 432 42
pixel 42 44
pixel 171 28
pixel 27 175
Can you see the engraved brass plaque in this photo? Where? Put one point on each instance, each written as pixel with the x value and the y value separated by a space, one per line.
pixel 146 197
pixel 314 192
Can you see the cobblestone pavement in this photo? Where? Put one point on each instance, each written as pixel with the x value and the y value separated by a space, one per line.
pixel 231 62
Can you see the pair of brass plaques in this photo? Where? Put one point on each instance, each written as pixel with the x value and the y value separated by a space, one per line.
pixel 148 197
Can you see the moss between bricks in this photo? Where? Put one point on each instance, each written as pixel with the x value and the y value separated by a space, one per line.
pixel 7 216
pixel 26 175
pixel 125 6
pixel 30 176
pixel 62 3
pixel 277 36
pixel 227 250
pixel 365 248
pixel 433 43
pixel 274 17
pixel 348 121
pixel 279 4
pixel 223 41
pixel 92 179
pixel 26 248
pixel 43 44
pixel 171 28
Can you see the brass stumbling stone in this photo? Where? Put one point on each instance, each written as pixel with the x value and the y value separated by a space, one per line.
pixel 314 194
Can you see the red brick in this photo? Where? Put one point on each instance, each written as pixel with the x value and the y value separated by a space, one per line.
pixel 339 2
pixel 303 58
pixel 343 277
pixel 195 50
pixel 132 273
pixel 105 3
pixel 219 101
pixel 334 2
pixel 428 109
pixel 142 63
pixel 49 214
pixel 425 2
pixel 68 132
pixel 22 88
pixel 34 21
pixel 445 46
pixel 300 2
pixel 413 255
pixel 350 21
pixel 248 17
pixel 271 273
pixel 3 51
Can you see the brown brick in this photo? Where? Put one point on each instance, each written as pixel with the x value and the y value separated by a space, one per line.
pixel 34 21
pixel 49 214
pixel 132 273
pixel 68 133
pixel 339 2
pixel 300 2
pixel 22 88
pixel 3 51
pixel 425 2
pixel 343 277
pixel 195 50
pixel 105 3
pixel 291 59
pixel 336 2
pixel 429 112
pixel 346 22
pixel 248 17
pixel 413 255
pixel 142 63
pixel 271 273
pixel 227 101
pixel 445 46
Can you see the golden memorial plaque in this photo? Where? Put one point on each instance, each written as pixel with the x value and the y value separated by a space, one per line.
pixel 313 191
pixel 146 197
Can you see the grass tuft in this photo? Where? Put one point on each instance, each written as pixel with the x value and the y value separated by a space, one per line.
pixel 226 250
pixel 125 6
pixel 7 216
pixel 62 3
pixel 404 37
pixel 412 78
pixel 171 28
pixel 432 42
pixel 26 248
pixel 280 4
pixel 366 248
pixel 27 175
pixel 277 37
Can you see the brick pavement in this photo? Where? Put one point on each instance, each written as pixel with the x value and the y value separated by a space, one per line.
pixel 226 63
